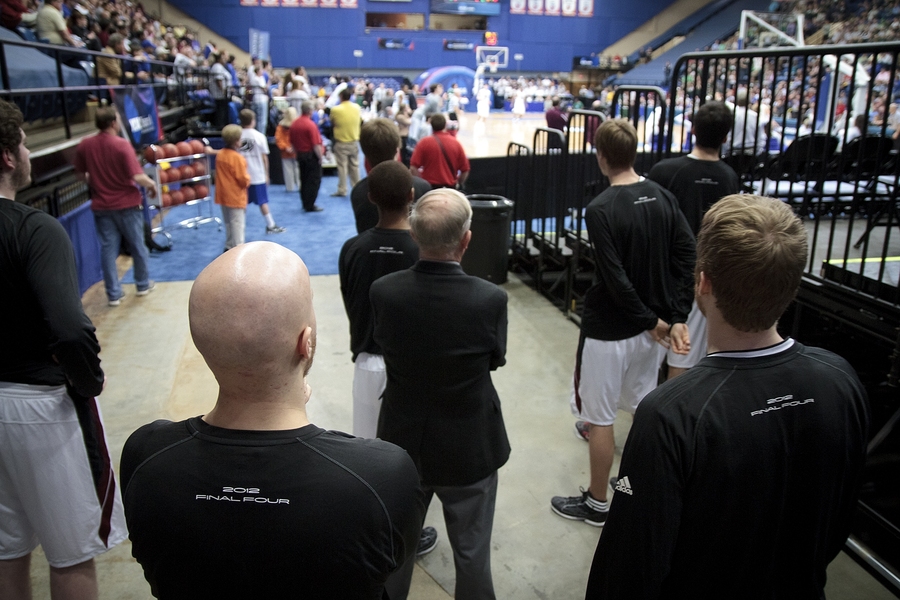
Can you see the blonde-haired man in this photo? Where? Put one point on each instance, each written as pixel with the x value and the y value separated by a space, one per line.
pixel 742 473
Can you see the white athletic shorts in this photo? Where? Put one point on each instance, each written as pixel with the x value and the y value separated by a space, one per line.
pixel 369 381
pixel 697 329
pixel 56 490
pixel 614 375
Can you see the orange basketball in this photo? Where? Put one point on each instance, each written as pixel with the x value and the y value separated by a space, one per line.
pixel 153 153
pixel 187 172
pixel 177 197
pixel 174 174
pixel 163 176
pixel 166 199
pixel 189 193
pixel 202 190
pixel 197 146
pixel 199 168
pixel 184 149
pixel 171 150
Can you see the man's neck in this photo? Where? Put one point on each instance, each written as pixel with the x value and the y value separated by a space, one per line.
pixel 623 177
pixel 235 411
pixel 722 337
pixel 392 221
pixel 703 153
pixel 7 191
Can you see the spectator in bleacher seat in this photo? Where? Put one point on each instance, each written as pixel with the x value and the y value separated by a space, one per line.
pixel 184 60
pixel 698 181
pixel 379 139
pixel 51 26
pixel 110 167
pixel 748 135
pixel 14 13
pixel 252 499
pixel 219 80
pixel 110 69
pixel 79 27
pixel 743 473
pixel 258 90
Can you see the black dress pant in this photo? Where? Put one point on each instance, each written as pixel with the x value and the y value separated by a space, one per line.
pixel 310 178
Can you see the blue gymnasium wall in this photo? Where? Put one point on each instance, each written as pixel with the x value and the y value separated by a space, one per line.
pixel 324 38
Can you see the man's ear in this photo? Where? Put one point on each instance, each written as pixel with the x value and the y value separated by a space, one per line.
pixel 304 344
pixel 464 242
pixel 704 286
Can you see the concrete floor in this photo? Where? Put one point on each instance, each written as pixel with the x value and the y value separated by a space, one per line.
pixel 155 372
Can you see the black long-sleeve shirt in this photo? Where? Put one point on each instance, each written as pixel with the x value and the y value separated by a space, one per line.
pixel 48 340
pixel 644 254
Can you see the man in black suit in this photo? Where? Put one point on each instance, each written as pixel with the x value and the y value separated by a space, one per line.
pixel 442 332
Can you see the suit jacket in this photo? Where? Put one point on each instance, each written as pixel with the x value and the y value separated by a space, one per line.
pixel 442 332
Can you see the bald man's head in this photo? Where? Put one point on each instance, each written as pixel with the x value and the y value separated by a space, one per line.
pixel 248 313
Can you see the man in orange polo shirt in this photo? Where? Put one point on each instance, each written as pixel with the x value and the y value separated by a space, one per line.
pixel 439 159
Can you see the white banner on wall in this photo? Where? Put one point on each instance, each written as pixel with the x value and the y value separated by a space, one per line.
pixel 551 8
pixel 585 8
pixel 259 44
pixel 570 8
pixel 535 7
pixel 518 7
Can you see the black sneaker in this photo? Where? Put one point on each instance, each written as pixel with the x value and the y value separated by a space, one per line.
pixel 577 509
pixel 427 541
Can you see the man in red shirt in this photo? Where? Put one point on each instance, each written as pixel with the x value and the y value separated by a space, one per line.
pixel 110 166
pixel 439 159
pixel 307 142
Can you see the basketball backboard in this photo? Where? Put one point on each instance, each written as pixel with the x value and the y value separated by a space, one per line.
pixel 492 57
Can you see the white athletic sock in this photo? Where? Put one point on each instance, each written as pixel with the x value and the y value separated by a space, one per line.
pixel 270 220
pixel 597 504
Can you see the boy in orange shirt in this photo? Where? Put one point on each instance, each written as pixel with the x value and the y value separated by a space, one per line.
pixel 232 182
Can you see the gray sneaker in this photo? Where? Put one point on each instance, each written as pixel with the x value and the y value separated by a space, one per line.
pixel 577 509
pixel 117 301
pixel 274 229
pixel 150 287
pixel 427 541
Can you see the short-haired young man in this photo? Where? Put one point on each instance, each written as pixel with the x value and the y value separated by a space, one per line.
pixel 644 253
pixel 379 140
pixel 739 478
pixel 370 255
pixel 698 180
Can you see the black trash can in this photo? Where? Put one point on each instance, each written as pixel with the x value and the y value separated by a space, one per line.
pixel 488 253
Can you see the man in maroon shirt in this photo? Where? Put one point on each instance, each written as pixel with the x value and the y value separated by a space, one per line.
pixel 439 159
pixel 307 142
pixel 110 166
